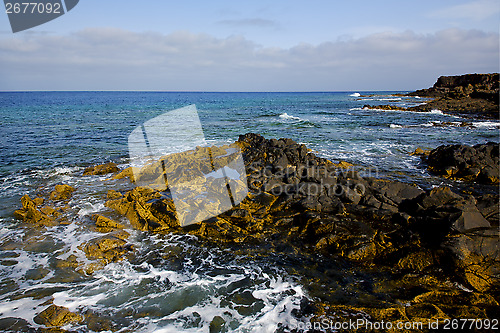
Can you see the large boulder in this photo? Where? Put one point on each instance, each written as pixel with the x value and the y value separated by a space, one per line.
pixel 477 257
pixel 62 192
pixel 439 212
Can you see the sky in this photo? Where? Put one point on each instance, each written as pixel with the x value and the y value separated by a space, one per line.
pixel 279 45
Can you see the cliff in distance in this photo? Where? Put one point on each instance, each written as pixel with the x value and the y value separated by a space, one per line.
pixel 474 95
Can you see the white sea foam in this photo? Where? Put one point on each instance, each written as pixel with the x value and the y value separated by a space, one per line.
pixel 395 126
pixel 389 99
pixel 436 111
pixel 289 117
pixel 355 95
pixel 61 173
pixel 89 208
pixel 25 308
pixel 279 300
pixel 486 124
pixel 123 286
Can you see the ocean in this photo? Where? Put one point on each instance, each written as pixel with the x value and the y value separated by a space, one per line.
pixel 175 283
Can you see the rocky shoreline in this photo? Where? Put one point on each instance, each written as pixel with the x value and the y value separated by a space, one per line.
pixel 423 255
pixel 469 96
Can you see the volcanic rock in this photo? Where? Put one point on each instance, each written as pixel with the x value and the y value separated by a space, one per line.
pixel 101 169
pixel 479 163
pixel 474 95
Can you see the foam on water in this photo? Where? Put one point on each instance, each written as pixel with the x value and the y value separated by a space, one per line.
pixel 187 300
pixel 436 111
pixel 25 308
pixel 486 124
pixel 355 95
pixel 167 298
pixel 286 116
pixel 89 208
pixel 432 112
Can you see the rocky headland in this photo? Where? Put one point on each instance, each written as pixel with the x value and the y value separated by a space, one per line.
pixel 469 95
pixel 363 247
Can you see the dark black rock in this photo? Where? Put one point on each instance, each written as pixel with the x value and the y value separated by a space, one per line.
pixel 479 163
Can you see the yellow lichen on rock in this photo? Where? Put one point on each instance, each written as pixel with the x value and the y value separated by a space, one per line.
pixel 31 214
pixel 418 261
pixel 343 165
pixel 62 192
pixel 57 316
pixel 105 249
pixel 126 173
pixel 420 152
pixel 101 169
pixel 106 223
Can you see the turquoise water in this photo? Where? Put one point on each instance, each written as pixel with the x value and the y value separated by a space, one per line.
pixel 50 137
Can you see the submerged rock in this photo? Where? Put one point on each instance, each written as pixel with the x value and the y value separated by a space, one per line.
pixel 101 169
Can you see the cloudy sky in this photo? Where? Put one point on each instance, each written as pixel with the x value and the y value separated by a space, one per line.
pixel 279 45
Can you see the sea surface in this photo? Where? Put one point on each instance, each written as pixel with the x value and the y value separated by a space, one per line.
pixel 174 283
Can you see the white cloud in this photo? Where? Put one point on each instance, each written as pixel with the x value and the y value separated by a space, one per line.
pixel 114 59
pixel 476 10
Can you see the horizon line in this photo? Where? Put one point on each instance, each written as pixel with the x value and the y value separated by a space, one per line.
pixel 209 91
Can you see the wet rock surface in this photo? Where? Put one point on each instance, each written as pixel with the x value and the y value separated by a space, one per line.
pixel 421 255
pixel 45 211
pixel 57 316
pixel 61 192
pixel 101 169
pixel 479 163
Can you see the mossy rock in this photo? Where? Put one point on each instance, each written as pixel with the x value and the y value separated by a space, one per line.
pixel 62 192
pixel 101 169
pixel 56 316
